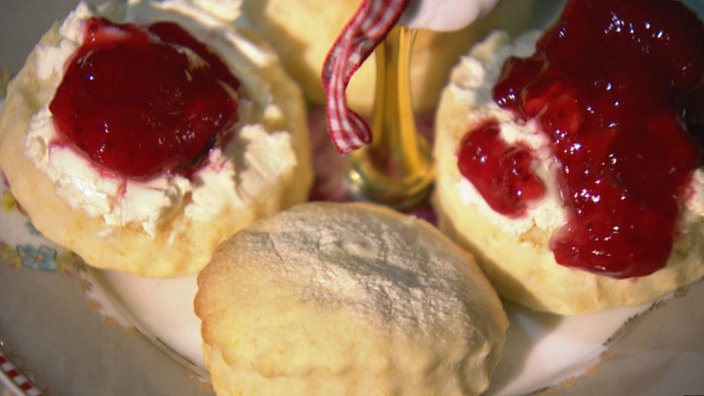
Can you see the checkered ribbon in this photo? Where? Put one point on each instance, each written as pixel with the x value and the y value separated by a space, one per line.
pixel 22 383
pixel 367 28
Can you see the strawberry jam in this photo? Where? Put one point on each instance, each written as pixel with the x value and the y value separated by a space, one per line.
pixel 141 102
pixel 501 172
pixel 613 84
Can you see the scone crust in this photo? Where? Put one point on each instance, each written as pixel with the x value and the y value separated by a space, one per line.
pixel 523 268
pixel 182 245
pixel 282 310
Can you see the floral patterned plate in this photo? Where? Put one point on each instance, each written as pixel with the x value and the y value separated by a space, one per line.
pixel 542 351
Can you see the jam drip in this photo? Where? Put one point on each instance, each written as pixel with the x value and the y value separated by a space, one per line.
pixel 611 84
pixel 501 172
pixel 145 102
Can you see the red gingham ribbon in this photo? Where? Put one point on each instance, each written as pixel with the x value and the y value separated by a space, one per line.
pixel 18 379
pixel 367 28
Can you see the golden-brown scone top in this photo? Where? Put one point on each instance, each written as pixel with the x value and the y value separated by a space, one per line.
pixel 303 31
pixel 516 258
pixel 182 244
pixel 356 299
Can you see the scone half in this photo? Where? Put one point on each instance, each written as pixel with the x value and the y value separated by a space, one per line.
pixel 515 253
pixel 268 160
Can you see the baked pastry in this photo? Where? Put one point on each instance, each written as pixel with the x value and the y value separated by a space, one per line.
pixel 302 32
pixel 347 298
pixel 235 150
pixel 575 179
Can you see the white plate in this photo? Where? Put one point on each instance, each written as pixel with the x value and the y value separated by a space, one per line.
pixel 146 340
pixel 541 350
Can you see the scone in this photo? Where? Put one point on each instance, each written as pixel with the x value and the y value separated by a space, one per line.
pixel 577 180
pixel 151 186
pixel 353 299
pixel 303 31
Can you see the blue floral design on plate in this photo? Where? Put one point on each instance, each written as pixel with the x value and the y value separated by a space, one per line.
pixel 42 257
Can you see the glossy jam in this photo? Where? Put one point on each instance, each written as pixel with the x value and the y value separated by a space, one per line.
pixel 142 102
pixel 501 172
pixel 613 84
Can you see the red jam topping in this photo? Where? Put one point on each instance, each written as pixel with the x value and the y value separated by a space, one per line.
pixel 145 102
pixel 501 172
pixel 613 84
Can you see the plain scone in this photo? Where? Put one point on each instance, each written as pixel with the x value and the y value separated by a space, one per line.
pixel 183 245
pixel 522 267
pixel 353 299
